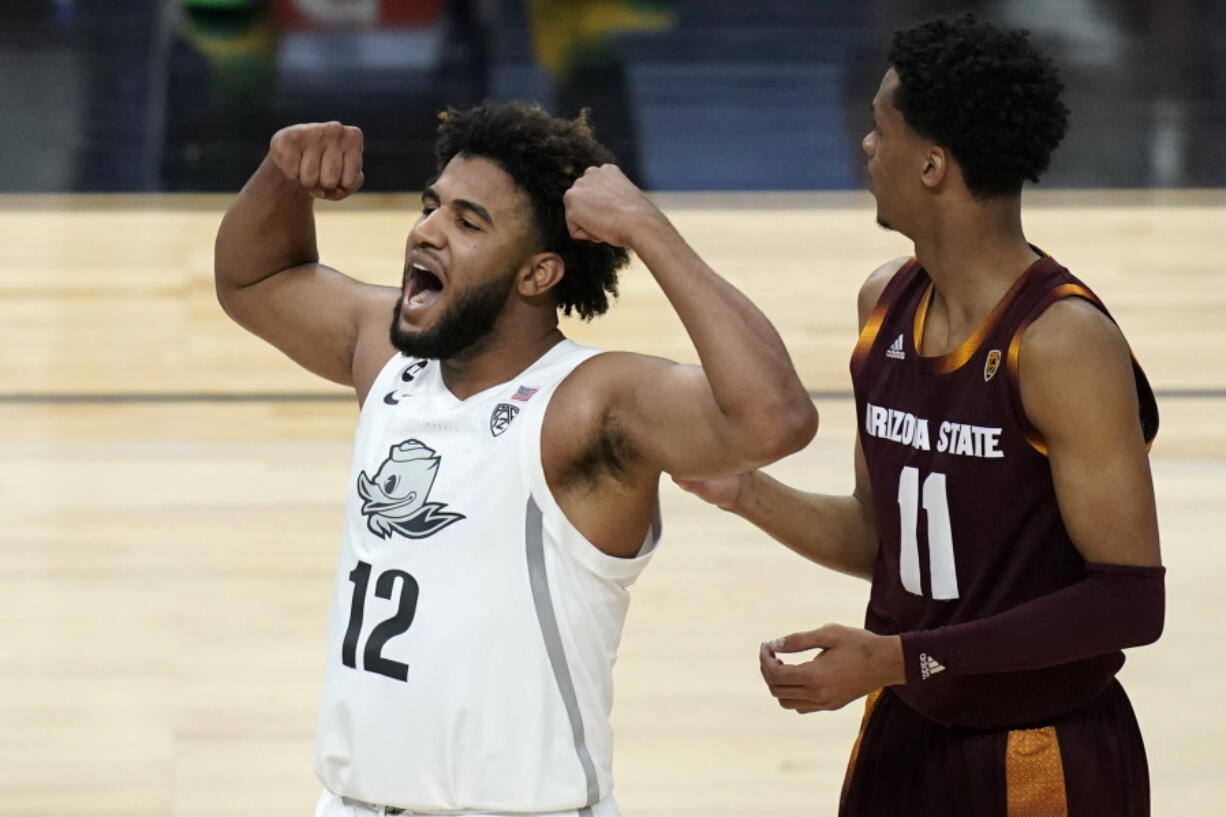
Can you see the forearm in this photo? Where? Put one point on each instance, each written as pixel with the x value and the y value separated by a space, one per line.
pixel 837 532
pixel 1112 608
pixel 270 227
pixel 751 375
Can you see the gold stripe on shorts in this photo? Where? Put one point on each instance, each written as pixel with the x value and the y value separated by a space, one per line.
pixel 1034 774
pixel 870 703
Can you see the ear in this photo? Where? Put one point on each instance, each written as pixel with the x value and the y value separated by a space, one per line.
pixel 540 273
pixel 936 167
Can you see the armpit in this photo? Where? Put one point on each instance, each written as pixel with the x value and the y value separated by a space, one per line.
pixel 610 454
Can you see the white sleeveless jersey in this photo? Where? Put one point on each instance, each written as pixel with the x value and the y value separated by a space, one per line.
pixel 474 630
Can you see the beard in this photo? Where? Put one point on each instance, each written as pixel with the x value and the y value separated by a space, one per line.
pixel 463 328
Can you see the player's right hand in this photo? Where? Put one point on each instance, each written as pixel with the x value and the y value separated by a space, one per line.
pixel 726 492
pixel 324 157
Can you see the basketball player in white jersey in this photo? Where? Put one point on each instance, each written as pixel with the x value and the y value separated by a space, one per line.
pixel 502 496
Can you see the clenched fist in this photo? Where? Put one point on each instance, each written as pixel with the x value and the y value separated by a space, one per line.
pixel 604 206
pixel 323 157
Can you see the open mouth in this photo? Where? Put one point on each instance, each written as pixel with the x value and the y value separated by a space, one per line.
pixel 424 288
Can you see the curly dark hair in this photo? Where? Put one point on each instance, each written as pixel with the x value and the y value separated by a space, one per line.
pixel 544 155
pixel 985 93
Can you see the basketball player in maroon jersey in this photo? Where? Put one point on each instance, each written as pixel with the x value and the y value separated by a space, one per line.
pixel 1003 507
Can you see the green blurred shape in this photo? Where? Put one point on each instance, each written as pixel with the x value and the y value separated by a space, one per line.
pixel 567 34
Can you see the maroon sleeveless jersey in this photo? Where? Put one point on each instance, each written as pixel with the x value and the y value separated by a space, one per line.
pixel 966 511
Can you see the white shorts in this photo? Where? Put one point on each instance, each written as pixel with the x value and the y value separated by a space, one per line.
pixel 333 805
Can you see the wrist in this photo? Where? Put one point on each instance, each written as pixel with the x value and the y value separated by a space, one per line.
pixel 745 496
pixel 890 659
pixel 271 180
pixel 648 227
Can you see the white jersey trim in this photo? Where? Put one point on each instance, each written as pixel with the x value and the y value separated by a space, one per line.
pixel 544 515
pixel 539 579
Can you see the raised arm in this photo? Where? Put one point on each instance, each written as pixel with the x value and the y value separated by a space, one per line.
pixel 838 532
pixel 266 264
pixel 745 406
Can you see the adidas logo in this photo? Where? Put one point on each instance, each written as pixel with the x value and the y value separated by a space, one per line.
pixel 895 351
pixel 929 666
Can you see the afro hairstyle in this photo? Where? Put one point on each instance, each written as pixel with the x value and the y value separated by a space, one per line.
pixel 544 155
pixel 986 94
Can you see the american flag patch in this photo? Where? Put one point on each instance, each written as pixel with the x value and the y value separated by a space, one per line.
pixel 523 393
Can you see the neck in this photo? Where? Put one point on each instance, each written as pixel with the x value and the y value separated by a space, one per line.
pixel 499 357
pixel 974 252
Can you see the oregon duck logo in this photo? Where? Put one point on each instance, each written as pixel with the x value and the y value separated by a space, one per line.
pixel 394 500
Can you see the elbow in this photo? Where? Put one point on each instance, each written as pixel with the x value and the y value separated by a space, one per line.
pixel 1151 628
pixel 783 431
pixel 802 425
pixel 1146 610
pixel 221 275
pixel 1131 600
pixel 231 300
pixel 225 296
pixel 1150 607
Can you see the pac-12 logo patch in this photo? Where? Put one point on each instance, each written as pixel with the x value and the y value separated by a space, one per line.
pixel 991 364
pixel 394 500
pixel 503 414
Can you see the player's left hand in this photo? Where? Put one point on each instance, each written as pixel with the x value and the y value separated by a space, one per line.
pixel 606 207
pixel 851 664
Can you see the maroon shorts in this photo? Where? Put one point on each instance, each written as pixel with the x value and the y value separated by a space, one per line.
pixel 1089 763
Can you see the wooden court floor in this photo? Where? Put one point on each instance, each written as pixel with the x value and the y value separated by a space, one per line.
pixel 171 499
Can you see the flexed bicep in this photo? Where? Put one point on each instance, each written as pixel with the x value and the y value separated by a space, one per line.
pixel 266 262
pixel 671 414
pixel 320 318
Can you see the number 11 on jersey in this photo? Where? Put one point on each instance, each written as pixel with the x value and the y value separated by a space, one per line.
pixel 943 572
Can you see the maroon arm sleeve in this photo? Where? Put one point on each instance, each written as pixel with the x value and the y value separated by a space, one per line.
pixel 1113 607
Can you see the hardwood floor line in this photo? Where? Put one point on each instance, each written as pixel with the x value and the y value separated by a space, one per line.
pixel 325 397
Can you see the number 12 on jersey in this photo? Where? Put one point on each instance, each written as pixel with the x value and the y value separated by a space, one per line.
pixel 943 572
pixel 406 608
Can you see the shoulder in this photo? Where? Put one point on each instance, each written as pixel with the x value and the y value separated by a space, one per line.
pixel 1075 369
pixel 875 284
pixel 1074 333
pixel 587 446
pixel 592 403
pixel 608 366
pixel 596 383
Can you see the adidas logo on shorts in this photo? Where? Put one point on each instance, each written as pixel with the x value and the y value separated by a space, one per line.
pixel 929 666
pixel 895 351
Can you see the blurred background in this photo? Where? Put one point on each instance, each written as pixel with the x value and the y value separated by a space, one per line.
pixel 182 95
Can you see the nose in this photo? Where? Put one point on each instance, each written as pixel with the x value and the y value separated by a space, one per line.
pixel 428 231
pixel 869 143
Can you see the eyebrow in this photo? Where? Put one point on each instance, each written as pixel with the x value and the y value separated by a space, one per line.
pixel 463 204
